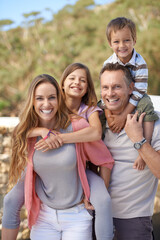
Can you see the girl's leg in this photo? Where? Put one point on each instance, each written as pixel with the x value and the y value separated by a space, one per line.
pixel 101 201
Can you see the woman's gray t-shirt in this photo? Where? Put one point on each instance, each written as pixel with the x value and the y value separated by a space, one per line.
pixel 57 182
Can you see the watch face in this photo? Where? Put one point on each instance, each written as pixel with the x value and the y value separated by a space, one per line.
pixel 137 145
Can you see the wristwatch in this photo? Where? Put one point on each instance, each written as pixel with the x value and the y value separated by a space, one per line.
pixel 138 145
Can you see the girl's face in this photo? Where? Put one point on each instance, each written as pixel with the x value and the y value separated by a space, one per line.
pixel 75 84
pixel 45 102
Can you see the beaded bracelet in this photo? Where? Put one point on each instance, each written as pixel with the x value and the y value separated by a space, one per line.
pixel 50 132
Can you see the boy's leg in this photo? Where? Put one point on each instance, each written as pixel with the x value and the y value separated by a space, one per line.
pixel 135 228
pixel 101 201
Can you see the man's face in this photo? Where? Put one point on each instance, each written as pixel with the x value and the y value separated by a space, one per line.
pixel 114 90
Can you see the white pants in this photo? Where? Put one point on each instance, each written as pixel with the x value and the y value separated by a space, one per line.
pixel 70 224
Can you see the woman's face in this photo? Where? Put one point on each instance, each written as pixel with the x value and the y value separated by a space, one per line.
pixel 75 85
pixel 45 102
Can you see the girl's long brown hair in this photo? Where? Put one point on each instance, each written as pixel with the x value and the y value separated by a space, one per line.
pixel 29 119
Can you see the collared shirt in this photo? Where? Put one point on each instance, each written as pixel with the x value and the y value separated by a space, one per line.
pixel 132 191
pixel 139 71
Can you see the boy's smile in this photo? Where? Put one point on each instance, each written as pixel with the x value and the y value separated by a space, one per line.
pixel 122 44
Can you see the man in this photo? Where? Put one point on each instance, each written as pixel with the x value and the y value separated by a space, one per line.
pixel 132 191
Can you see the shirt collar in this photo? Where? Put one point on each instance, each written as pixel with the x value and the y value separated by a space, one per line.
pixel 118 134
pixel 131 62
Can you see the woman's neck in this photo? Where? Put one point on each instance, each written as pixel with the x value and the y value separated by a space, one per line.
pixel 49 124
pixel 73 104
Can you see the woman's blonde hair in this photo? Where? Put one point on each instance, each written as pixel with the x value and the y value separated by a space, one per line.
pixel 89 98
pixel 29 119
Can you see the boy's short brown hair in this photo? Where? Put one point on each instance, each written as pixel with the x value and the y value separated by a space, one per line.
pixel 119 23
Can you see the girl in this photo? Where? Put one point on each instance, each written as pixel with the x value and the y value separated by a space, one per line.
pixel 59 184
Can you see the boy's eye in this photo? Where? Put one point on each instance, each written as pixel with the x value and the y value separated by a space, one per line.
pixel 115 42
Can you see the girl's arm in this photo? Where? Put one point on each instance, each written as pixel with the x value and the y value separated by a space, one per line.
pixel 39 131
pixel 88 134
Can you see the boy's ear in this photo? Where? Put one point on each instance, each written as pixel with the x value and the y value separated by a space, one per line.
pixel 131 86
pixel 110 44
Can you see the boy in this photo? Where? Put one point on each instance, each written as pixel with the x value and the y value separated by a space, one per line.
pixel 121 35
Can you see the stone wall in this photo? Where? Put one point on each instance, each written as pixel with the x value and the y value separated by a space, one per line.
pixel 5 152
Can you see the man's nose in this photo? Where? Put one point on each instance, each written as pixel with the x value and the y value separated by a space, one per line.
pixel 110 92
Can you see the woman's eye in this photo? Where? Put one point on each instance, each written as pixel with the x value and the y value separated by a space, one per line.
pixel 53 97
pixel 39 98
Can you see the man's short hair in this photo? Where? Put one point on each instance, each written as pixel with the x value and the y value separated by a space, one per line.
pixel 116 67
pixel 118 24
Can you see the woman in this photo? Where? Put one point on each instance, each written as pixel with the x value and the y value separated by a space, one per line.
pixel 58 175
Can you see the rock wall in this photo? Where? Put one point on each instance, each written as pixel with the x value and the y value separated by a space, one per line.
pixel 5 153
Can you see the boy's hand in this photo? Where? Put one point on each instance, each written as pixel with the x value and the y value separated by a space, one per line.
pixel 117 123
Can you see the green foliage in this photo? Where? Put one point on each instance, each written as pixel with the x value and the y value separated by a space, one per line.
pixel 75 34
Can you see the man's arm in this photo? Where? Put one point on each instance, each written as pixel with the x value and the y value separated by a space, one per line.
pixel 134 130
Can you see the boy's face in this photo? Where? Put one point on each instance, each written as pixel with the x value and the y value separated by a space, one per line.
pixel 122 44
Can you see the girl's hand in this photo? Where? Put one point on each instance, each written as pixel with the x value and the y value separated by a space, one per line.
pixel 53 141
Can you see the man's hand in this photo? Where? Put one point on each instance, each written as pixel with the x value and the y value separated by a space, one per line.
pixel 134 128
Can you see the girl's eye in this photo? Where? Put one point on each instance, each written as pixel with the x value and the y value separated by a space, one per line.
pixel 83 80
pixel 115 42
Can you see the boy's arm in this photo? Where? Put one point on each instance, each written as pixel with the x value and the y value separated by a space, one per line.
pixel 117 122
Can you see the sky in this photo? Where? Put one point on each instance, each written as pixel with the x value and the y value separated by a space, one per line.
pixel 14 9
